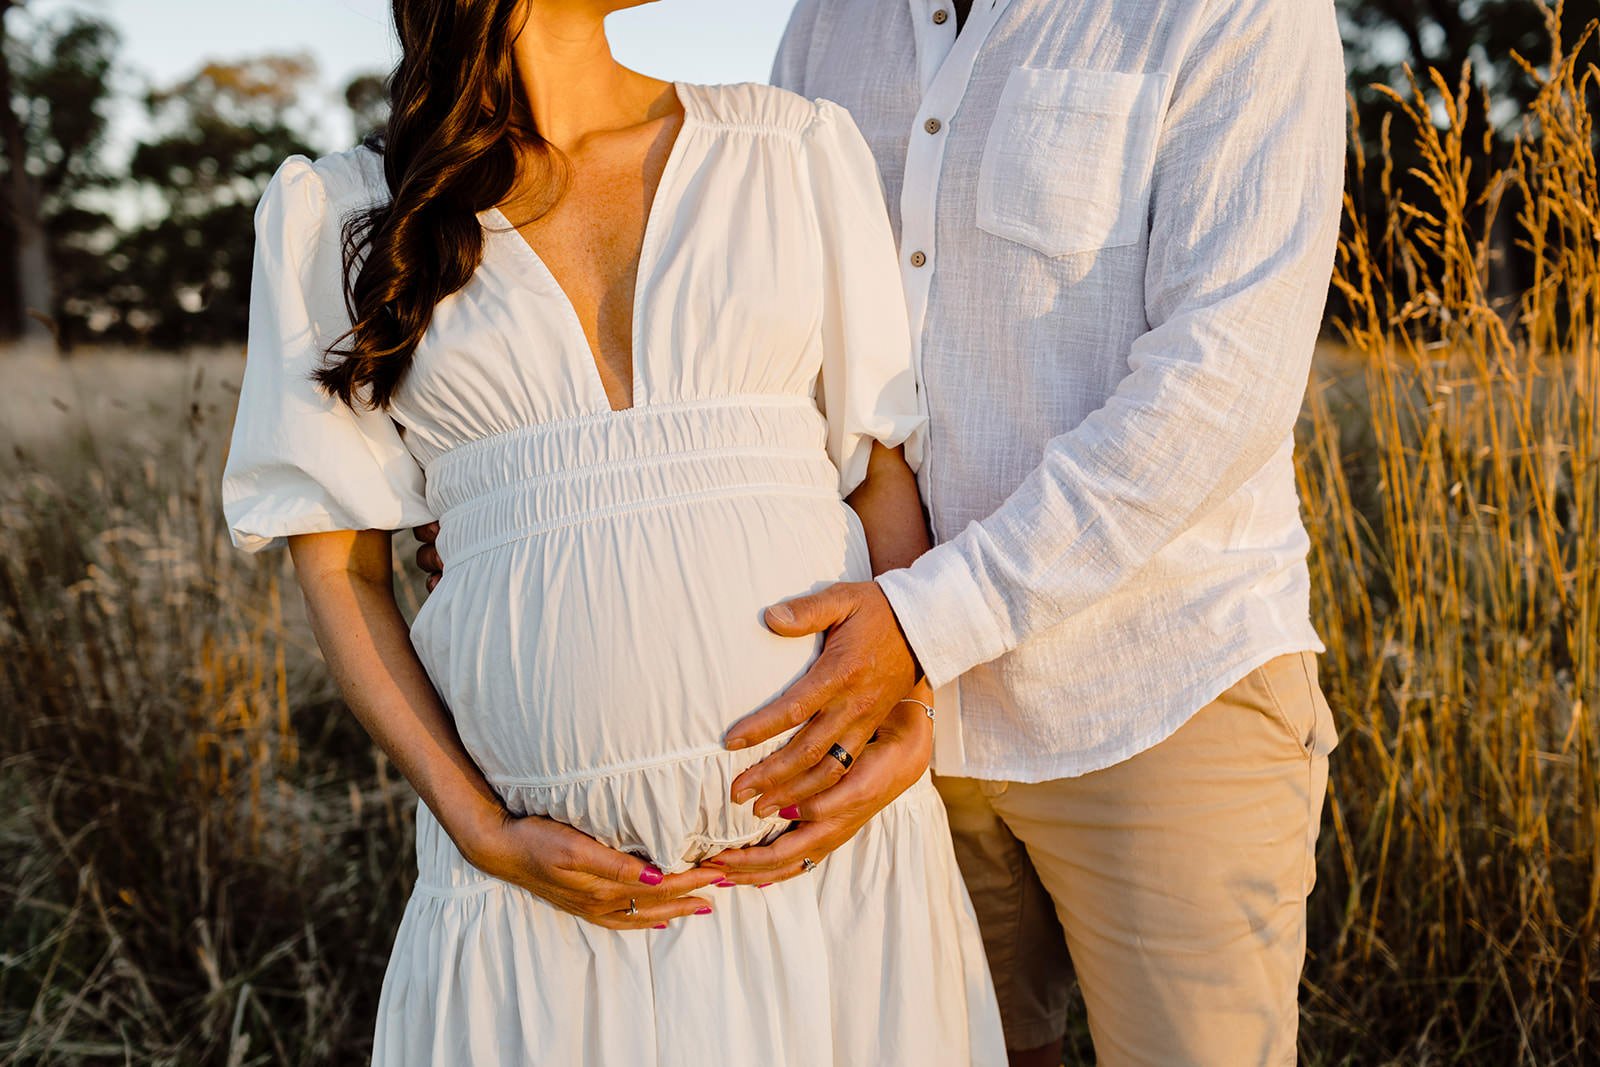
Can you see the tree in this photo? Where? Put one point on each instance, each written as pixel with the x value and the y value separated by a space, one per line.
pixel 66 83
pixel 367 97
pixel 184 277
pixel 27 268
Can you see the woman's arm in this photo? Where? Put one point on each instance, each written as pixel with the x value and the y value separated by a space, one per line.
pixel 890 510
pixel 814 788
pixel 347 579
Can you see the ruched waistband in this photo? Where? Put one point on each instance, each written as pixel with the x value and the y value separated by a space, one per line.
pixel 539 478
pixel 673 811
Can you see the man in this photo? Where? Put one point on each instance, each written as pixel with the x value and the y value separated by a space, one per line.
pixel 1116 223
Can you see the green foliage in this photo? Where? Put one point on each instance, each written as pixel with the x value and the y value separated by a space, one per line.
pixel 155 248
pixel 185 275
pixel 61 84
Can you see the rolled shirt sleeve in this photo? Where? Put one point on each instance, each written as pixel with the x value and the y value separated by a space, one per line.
pixel 1244 218
pixel 300 461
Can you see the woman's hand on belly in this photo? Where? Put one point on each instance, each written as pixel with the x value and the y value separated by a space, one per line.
pixel 572 871
pixel 886 768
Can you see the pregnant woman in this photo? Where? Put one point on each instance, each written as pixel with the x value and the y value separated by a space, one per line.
pixel 633 344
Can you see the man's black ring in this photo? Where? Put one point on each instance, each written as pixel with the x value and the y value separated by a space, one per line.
pixel 844 758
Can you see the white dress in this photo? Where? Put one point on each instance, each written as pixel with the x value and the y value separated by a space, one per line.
pixel 598 627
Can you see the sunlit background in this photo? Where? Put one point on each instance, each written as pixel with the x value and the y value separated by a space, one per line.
pixel 685 40
pixel 203 857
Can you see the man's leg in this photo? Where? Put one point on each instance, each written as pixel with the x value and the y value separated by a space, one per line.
pixel 1021 935
pixel 1180 876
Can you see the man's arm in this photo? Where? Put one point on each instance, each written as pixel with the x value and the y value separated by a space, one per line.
pixel 1244 220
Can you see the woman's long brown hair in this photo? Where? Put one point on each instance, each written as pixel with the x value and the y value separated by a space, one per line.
pixel 458 120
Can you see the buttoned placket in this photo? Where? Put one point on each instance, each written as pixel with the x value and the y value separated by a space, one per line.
pixel 944 63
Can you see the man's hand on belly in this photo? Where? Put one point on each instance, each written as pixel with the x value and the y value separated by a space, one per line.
pixel 865 667
pixel 888 767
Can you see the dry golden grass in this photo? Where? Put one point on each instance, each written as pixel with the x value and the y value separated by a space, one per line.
pixel 1453 498
pixel 202 858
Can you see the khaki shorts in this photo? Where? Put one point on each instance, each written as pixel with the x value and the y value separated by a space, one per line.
pixel 1172 884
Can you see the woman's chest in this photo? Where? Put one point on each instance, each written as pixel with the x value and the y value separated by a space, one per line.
pixel 720 295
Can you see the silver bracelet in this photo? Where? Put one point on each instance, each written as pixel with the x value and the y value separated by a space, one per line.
pixel 913 700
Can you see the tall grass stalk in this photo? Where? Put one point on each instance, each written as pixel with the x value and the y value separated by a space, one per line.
pixel 1452 490
pixel 201 856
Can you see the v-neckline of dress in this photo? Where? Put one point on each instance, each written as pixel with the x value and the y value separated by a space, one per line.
pixel 587 352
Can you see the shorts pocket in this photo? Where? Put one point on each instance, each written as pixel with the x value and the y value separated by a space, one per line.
pixel 1067 164
pixel 1298 702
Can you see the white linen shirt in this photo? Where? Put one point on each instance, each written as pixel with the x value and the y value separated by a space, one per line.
pixel 1116 225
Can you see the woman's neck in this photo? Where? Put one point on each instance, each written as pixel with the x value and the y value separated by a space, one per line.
pixel 574 87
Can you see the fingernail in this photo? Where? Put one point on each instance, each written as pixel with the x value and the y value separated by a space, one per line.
pixel 659 926
pixel 791 813
pixel 782 613
pixel 702 911
pixel 764 810
pixel 743 795
pixel 763 885
pixel 651 876
pixel 722 884
pixel 734 744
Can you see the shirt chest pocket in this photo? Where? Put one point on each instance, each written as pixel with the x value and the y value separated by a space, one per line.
pixel 1067 164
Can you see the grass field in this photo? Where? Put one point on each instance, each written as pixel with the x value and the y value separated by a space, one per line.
pixel 202 858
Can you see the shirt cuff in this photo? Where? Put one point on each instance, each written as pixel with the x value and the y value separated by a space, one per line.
pixel 944 613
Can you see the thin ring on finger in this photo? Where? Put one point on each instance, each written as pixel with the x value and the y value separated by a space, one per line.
pixel 633 907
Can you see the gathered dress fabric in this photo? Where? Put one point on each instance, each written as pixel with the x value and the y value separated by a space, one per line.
pixel 598 627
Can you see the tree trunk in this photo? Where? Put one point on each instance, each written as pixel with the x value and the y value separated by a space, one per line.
pixel 30 256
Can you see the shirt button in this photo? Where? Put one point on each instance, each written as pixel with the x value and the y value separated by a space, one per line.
pixel 918 259
pixel 940 16
pixel 933 125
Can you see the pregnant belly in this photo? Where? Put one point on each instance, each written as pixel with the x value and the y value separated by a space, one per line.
pixel 593 669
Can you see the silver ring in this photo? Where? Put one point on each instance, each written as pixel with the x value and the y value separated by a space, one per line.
pixel 808 864
pixel 633 907
pixel 839 753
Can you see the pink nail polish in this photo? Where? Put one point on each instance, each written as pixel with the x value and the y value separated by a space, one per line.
pixel 723 884
pixel 792 812
pixel 660 926
pixel 702 911
pixel 763 885
pixel 651 876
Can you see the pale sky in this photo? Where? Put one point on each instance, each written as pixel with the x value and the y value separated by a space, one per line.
pixel 164 40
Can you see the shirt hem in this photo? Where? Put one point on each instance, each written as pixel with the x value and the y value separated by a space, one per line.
pixel 1127 747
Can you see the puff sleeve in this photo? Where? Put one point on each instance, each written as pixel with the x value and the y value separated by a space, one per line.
pixel 867 388
pixel 300 461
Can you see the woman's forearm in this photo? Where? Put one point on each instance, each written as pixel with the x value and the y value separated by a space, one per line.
pixel 348 586
pixel 891 514
pixel 890 510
